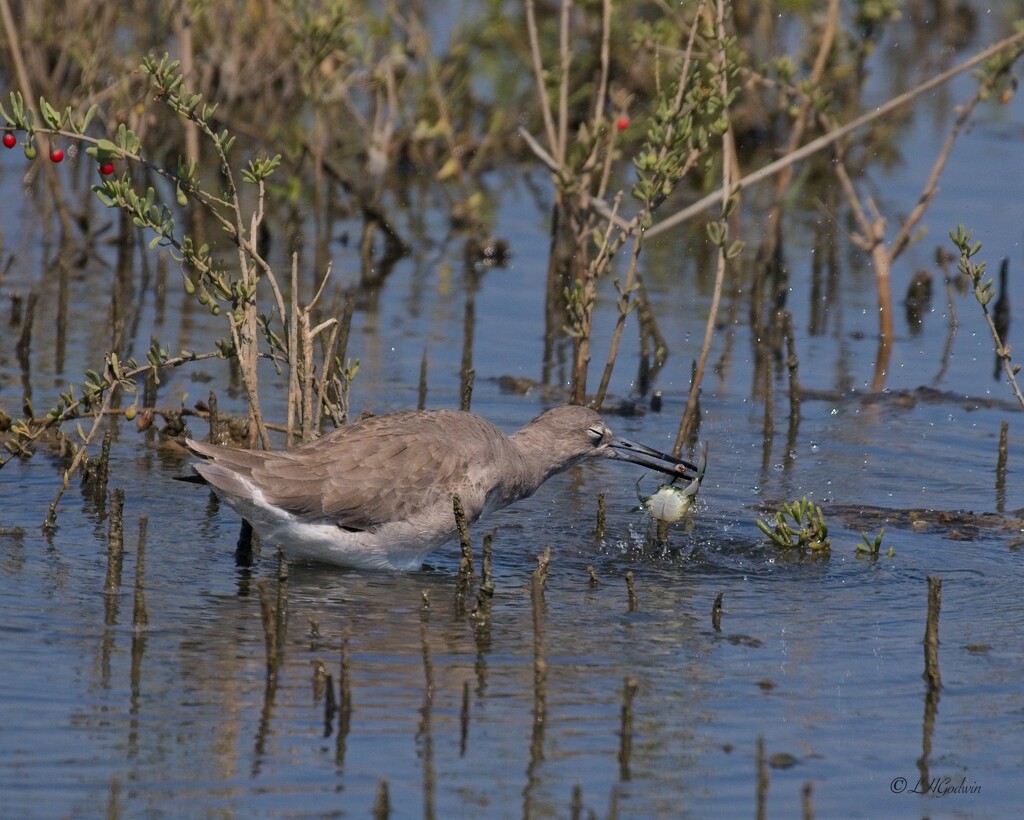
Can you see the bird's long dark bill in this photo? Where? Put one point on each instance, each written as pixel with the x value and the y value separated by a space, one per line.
pixel 626 450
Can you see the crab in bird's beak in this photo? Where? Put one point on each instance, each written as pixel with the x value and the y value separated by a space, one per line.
pixel 671 503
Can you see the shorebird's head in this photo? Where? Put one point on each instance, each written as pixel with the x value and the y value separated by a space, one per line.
pixel 572 433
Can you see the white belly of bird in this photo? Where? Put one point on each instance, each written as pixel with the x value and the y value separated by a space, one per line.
pixel 398 545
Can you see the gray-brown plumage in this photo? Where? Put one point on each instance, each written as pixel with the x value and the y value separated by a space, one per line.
pixel 378 493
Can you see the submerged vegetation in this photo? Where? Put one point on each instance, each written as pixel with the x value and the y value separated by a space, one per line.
pixel 799 526
pixel 363 112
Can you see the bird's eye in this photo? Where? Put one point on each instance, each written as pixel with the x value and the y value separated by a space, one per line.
pixel 596 433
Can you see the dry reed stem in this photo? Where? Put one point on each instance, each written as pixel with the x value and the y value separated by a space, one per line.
pixel 716 613
pixel 102 475
pixel 345 680
pixel 768 430
pixel 629 687
pixel 214 419
pixel 115 542
pixel 487 561
pixel 140 617
pixel 345 700
pixel 631 591
pixel 382 802
pixel 24 345
pixel 537 602
pixel 793 365
pixel 932 677
pixel 330 702
pixel 464 720
pixel 281 604
pixel 761 765
pixel 933 681
pixel 540 671
pixel 467 375
pixel 320 676
pixel 425 733
pixel 421 393
pixel 806 804
pixel 465 544
pixel 268 619
pixel 1001 459
pixel 466 389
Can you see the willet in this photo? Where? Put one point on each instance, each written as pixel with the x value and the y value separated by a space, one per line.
pixel 377 494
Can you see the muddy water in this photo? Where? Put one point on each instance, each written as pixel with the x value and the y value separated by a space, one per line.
pixel 821 658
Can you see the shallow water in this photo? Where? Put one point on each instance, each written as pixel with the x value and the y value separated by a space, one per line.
pixel 822 658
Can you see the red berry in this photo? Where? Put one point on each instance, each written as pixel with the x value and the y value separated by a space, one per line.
pixel 622 123
pixel 107 168
pixel 10 140
pixel 56 155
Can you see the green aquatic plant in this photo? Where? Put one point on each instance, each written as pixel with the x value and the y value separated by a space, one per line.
pixel 872 547
pixel 801 525
pixel 804 529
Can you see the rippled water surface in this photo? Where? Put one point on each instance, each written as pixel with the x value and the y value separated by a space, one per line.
pixel 821 658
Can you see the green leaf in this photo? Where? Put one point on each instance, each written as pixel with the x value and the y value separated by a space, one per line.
pixel 49 114
pixel 88 118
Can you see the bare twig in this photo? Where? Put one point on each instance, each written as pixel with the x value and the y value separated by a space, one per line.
pixel 538 74
pixel 828 139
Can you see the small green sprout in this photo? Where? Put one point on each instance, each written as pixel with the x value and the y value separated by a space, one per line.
pixel 873 547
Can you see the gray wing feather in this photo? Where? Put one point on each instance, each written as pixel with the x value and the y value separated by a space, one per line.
pixel 371 472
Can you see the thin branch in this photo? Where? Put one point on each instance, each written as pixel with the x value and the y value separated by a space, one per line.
pixel 599 205
pixel 538 74
pixel 816 145
pixel 931 187
pixel 606 36
pixel 565 62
